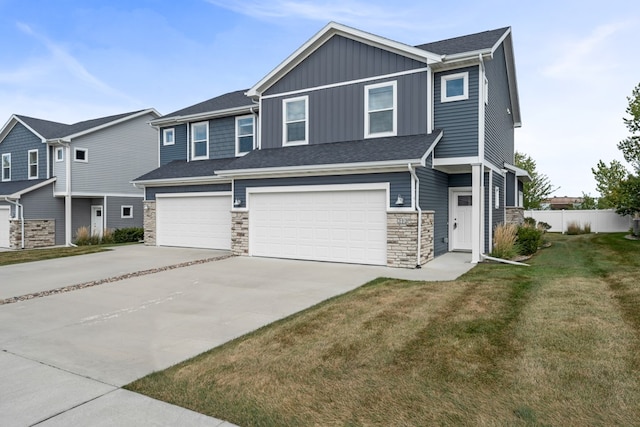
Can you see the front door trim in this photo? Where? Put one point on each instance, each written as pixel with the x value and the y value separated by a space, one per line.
pixel 454 192
pixel 97 221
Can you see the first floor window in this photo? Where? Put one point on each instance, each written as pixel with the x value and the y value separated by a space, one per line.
pixel 126 211
pixel 33 164
pixel 6 167
pixel 295 121
pixel 454 87
pixel 380 104
pixel 200 141
pixel 244 135
pixel 168 136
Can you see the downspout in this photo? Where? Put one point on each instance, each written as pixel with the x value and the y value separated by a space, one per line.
pixel 19 208
pixel 417 202
pixel 256 129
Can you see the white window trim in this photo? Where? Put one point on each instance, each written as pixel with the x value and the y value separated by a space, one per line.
pixel 29 164
pixel 122 208
pixel 306 121
pixel 2 168
pixel 497 197
pixel 61 157
pixel 86 155
pixel 167 131
pixel 193 142
pixel 394 126
pixel 465 87
pixel 253 135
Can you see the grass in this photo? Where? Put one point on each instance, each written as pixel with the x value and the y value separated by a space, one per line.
pixel 29 255
pixel 557 343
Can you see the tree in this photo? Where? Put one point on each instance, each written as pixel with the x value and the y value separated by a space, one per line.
pixel 540 186
pixel 588 202
pixel 629 203
pixel 630 146
pixel 608 179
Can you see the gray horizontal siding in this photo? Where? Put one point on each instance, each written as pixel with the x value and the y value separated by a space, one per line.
pixel 177 151
pixel 114 212
pixel 81 214
pixel 337 114
pixel 459 119
pixel 40 204
pixel 460 180
pixel 18 143
pixel 399 183
pixel 499 136
pixel 510 189
pixel 151 192
pixel 222 138
pixel 341 59
pixel 434 196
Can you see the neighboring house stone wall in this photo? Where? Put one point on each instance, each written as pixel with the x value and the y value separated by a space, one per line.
pixel 514 215
pixel 402 235
pixel 149 222
pixel 240 233
pixel 38 233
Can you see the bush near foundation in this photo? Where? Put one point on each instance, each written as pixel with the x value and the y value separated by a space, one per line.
pixel 128 235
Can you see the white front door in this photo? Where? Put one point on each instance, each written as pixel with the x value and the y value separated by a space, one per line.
pixel 460 220
pixel 96 221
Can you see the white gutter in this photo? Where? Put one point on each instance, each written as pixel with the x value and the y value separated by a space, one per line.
pixel 417 202
pixel 20 209
pixel 200 116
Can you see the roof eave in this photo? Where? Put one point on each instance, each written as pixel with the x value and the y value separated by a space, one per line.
pixel 19 194
pixel 109 124
pixel 210 179
pixel 204 116
pixel 13 120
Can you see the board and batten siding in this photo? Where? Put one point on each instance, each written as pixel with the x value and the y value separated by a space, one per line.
pixel 113 212
pixel 434 196
pixel 18 143
pixel 116 155
pixel 341 59
pixel 40 204
pixel 499 127
pixel 458 119
pixel 399 183
pixel 151 192
pixel 177 150
pixel 337 114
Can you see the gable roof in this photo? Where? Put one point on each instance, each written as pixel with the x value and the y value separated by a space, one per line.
pixel 49 130
pixel 14 189
pixel 478 42
pixel 225 104
pixel 185 171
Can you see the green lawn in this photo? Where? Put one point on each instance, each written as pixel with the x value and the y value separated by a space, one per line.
pixel 29 255
pixel 557 343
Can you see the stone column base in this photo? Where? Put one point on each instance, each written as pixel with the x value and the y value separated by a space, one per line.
pixel 402 239
pixel 149 222
pixel 240 233
pixel 38 233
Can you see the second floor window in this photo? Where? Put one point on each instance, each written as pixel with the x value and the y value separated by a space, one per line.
pixel 454 87
pixel 244 135
pixel 296 125
pixel 168 136
pixel 6 167
pixel 33 164
pixel 381 113
pixel 200 141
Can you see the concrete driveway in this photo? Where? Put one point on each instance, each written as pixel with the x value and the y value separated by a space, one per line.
pixel 64 357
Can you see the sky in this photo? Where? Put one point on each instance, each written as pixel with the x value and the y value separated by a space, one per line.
pixel 68 61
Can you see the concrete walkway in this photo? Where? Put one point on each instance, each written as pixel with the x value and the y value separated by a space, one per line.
pixel 65 357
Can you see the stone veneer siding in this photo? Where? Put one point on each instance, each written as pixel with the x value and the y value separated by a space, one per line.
pixel 514 215
pixel 240 233
pixel 149 222
pixel 402 238
pixel 38 233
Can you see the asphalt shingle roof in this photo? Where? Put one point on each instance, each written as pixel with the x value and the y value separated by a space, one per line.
pixel 184 169
pixel 12 187
pixel 468 43
pixel 51 130
pixel 223 102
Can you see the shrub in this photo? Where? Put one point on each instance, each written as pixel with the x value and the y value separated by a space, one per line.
pixel 107 236
pixel 573 228
pixel 529 240
pixel 126 235
pixel 531 222
pixel 504 241
pixel 543 226
pixel 587 228
pixel 83 237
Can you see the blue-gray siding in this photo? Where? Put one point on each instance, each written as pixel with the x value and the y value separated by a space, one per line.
pixel 152 191
pixel 222 138
pixel 459 119
pixel 460 180
pixel 498 122
pixel 177 151
pixel 434 196
pixel 510 189
pixel 40 204
pixel 337 114
pixel 399 183
pixel 18 143
pixel 114 212
pixel 497 215
pixel 341 59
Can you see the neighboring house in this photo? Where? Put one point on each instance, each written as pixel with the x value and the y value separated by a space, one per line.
pixel 58 177
pixel 355 149
pixel 559 203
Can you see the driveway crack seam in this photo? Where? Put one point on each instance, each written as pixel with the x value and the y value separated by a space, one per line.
pixel 73 407
pixel 84 285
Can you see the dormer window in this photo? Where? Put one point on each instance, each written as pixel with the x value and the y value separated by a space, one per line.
pixel 296 125
pixel 200 141
pixel 454 87
pixel 381 112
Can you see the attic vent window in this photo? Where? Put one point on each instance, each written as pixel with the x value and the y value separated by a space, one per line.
pixel 455 87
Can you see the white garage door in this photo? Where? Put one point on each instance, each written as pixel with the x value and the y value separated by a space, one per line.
pixel 339 226
pixel 4 227
pixel 194 221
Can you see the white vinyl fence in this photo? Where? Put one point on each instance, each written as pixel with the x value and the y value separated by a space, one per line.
pixel 601 221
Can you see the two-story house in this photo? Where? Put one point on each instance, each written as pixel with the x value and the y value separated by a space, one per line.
pixel 355 149
pixel 57 177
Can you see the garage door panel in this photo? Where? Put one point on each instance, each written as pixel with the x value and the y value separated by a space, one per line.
pixel 4 228
pixel 194 221
pixel 343 226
